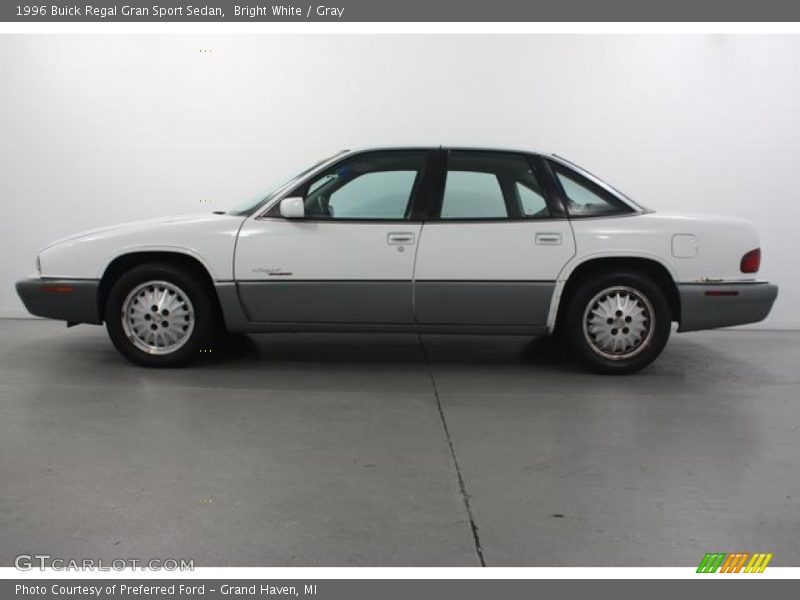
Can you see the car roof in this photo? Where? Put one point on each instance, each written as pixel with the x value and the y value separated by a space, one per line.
pixel 442 146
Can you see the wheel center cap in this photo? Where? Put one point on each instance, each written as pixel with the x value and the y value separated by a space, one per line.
pixel 619 323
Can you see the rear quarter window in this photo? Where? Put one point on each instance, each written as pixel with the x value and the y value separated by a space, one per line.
pixel 583 197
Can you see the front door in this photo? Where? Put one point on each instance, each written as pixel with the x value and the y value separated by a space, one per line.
pixel 491 251
pixel 351 259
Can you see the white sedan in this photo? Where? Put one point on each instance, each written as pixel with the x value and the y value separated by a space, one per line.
pixel 426 240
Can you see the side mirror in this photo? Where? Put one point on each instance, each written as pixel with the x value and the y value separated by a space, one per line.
pixel 293 208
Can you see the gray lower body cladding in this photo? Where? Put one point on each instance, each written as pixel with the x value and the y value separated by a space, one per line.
pixel 444 306
pixel 708 305
pixel 70 300
pixel 509 307
pixel 483 302
pixel 328 301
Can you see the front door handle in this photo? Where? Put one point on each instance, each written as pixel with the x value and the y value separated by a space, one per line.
pixel 400 238
pixel 548 239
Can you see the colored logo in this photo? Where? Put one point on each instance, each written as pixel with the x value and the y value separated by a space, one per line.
pixel 734 562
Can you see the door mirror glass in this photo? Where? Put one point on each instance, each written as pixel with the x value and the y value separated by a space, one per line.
pixel 293 208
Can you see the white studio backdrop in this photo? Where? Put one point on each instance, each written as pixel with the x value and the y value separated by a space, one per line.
pixel 98 129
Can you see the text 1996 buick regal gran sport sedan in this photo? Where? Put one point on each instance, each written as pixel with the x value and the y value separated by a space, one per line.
pixel 429 240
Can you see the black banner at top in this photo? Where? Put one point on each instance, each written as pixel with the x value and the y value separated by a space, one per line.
pixel 399 11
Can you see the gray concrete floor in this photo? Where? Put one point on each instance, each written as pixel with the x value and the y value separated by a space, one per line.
pixel 314 450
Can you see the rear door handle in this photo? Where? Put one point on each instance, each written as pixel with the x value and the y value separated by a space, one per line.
pixel 400 238
pixel 548 239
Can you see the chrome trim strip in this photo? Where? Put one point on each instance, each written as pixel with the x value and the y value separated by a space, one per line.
pixel 713 282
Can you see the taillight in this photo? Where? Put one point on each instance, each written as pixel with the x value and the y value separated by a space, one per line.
pixel 751 261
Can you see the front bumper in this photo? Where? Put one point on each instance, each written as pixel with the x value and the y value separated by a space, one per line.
pixel 724 304
pixel 70 300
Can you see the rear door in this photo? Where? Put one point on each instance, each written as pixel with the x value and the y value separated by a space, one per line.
pixel 492 246
pixel 351 259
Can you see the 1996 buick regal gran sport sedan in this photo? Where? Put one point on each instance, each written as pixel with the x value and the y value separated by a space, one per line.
pixel 428 240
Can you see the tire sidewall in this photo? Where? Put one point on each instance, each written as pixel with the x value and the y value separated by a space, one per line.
pixel 204 326
pixel 573 322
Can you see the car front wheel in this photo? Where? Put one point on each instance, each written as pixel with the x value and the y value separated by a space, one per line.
pixel 159 316
pixel 618 322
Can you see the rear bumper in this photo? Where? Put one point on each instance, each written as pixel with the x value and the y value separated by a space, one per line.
pixel 711 305
pixel 70 300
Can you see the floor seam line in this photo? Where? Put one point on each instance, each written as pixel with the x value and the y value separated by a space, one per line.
pixel 461 483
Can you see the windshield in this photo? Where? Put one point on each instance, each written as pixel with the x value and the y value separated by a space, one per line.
pixel 246 207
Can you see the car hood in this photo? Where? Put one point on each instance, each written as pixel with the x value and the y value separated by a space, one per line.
pixel 133 226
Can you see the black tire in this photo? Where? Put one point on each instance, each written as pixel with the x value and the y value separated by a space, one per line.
pixel 653 323
pixel 200 308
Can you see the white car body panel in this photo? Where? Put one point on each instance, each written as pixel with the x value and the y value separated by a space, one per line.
pixel 441 251
pixel 287 249
pixel 209 238
pixel 494 251
pixel 720 242
pixel 458 251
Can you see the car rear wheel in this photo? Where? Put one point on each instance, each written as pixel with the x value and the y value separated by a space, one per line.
pixel 617 322
pixel 157 315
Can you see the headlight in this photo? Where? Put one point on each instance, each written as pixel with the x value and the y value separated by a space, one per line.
pixel 38 265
